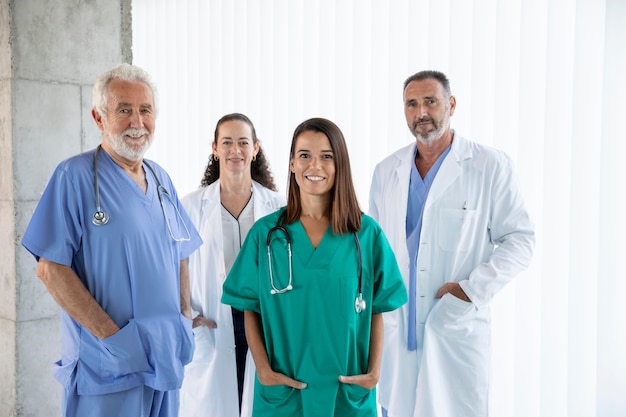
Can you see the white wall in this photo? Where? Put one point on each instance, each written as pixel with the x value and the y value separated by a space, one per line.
pixel 541 79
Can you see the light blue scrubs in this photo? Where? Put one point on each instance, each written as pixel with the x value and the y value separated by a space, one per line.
pixel 131 266
pixel 418 193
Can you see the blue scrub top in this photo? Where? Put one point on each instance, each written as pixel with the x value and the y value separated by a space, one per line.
pixel 131 266
pixel 418 193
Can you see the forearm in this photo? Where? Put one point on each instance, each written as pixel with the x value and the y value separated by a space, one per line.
pixel 185 292
pixel 256 344
pixel 376 346
pixel 70 293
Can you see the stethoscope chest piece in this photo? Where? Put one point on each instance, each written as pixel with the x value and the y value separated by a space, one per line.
pixel 359 304
pixel 99 218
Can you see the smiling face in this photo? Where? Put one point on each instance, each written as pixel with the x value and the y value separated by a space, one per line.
pixel 313 163
pixel 427 109
pixel 235 147
pixel 128 124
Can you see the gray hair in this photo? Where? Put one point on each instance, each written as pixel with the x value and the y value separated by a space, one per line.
pixel 125 72
pixel 430 74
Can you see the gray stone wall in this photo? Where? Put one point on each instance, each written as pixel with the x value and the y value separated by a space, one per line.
pixel 50 54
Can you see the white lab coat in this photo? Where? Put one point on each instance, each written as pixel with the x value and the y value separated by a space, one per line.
pixel 210 383
pixel 476 231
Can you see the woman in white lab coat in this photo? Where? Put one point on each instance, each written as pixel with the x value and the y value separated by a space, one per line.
pixel 236 190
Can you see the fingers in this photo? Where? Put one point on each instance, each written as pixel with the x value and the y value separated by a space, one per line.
pixel 364 380
pixel 285 380
pixel 201 321
pixel 443 290
pixel 268 377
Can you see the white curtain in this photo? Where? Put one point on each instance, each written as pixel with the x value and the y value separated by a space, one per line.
pixel 541 79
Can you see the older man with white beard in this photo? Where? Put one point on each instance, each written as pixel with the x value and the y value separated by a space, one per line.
pixel 112 241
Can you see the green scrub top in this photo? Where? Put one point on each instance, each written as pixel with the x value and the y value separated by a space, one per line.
pixel 313 333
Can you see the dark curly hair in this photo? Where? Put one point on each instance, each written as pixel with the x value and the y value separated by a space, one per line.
pixel 259 168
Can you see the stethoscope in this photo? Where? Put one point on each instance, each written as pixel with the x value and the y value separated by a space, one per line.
pixel 100 217
pixel 359 302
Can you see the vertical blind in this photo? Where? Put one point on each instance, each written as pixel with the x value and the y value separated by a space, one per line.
pixel 541 79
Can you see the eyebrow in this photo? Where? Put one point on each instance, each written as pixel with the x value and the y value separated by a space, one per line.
pixel 239 138
pixel 322 151
pixel 125 104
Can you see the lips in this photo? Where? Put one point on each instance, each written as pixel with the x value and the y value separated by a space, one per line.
pixel 314 178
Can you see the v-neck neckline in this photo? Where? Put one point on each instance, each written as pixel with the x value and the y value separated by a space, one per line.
pixel 315 257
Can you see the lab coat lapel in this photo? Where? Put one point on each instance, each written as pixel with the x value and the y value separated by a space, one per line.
pixel 211 225
pixel 401 190
pixel 210 205
pixel 449 171
pixel 262 201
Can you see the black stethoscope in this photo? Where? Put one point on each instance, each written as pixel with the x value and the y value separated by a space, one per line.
pixel 100 217
pixel 359 302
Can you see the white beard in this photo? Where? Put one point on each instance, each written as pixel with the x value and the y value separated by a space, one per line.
pixel 127 149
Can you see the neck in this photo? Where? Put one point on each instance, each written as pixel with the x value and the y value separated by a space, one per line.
pixel 235 184
pixel 428 153
pixel 316 207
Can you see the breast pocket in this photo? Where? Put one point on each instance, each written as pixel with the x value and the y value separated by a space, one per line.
pixel 348 292
pixel 455 229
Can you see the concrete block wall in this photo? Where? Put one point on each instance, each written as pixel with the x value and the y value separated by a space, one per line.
pixel 50 54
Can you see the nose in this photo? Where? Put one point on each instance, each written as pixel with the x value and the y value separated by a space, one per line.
pixel 315 161
pixel 421 111
pixel 136 119
pixel 236 148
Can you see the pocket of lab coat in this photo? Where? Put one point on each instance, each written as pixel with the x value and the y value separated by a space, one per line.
pixel 454 233
pixel 205 344
pixel 452 317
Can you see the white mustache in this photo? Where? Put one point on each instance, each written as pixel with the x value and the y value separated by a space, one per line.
pixel 135 133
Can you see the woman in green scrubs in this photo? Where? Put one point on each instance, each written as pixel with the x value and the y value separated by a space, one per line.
pixel 317 349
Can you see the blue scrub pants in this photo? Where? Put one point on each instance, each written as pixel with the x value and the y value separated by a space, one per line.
pixel 141 401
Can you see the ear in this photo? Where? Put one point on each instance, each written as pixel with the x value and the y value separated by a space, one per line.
pixel 214 148
pixel 291 165
pixel 98 118
pixel 452 105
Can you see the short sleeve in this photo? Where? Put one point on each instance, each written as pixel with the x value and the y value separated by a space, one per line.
pixel 389 289
pixel 55 229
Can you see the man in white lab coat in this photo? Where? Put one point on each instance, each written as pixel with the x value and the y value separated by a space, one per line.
pixel 453 212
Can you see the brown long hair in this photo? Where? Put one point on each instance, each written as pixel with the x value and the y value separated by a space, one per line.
pixel 259 168
pixel 345 213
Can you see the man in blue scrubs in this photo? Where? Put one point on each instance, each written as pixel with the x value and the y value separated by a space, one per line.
pixel 112 241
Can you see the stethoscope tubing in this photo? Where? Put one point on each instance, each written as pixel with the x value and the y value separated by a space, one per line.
pixel 101 218
pixel 359 302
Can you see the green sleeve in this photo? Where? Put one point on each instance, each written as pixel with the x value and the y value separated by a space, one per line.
pixel 241 288
pixel 389 290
